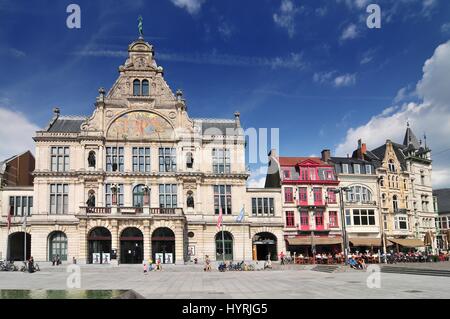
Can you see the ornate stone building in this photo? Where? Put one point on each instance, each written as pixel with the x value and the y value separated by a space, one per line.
pixel 139 178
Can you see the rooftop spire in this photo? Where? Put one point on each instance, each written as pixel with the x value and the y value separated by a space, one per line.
pixel 410 138
pixel 141 27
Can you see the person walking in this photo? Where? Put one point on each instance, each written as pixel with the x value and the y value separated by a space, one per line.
pixel 31 265
pixel 282 258
pixel 54 261
pixel 207 263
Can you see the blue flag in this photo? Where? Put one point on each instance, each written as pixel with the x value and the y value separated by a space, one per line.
pixel 241 216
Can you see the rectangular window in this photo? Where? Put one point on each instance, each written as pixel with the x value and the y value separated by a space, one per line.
pixel 369 169
pixel 221 161
pixel 348 217
pixel 444 223
pixel 59 199
pixel 331 196
pixel 304 220
pixel 318 196
pixel 303 195
pixel 356 217
pixel 363 217
pixel 263 207
pixel 22 205
pixel 401 223
pixel 168 196
pixel 167 159
pixel 59 159
pixel 333 219
pixel 345 168
pixel 319 220
pixel 141 159
pixel 114 159
pixel 357 168
pixel 290 220
pixel 108 195
pixel 286 174
pixel 288 196
pixel 222 199
pixel 385 222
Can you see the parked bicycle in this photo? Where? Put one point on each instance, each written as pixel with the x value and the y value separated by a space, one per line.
pixel 8 266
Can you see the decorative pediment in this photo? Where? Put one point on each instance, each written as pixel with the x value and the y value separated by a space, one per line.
pixel 308 162
pixel 138 125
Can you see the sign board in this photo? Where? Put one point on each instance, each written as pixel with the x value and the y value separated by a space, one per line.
pixel 106 258
pixel 169 258
pixel 96 258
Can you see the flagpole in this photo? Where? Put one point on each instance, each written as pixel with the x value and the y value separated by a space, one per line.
pixel 25 238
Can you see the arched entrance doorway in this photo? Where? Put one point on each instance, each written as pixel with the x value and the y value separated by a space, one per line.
pixel 57 245
pixel 264 244
pixel 163 245
pixel 16 246
pixel 227 243
pixel 99 241
pixel 131 246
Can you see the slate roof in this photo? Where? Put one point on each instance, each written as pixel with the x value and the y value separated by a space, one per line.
pixel 398 149
pixel 411 139
pixel 443 200
pixel 215 126
pixel 66 125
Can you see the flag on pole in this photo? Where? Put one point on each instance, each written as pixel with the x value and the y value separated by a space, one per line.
pixel 11 212
pixel 241 216
pixel 24 222
pixel 220 220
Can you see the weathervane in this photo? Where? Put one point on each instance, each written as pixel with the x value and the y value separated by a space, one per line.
pixel 141 28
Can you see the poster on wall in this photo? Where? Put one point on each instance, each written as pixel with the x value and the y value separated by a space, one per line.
pixel 106 258
pixel 159 256
pixel 96 258
pixel 169 258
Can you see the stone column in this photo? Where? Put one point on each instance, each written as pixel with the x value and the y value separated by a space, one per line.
pixel 82 257
pixel 115 240
pixel 179 244
pixel 147 240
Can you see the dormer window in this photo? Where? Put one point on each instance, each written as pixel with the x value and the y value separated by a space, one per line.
pixel 391 166
pixel 357 168
pixel 345 168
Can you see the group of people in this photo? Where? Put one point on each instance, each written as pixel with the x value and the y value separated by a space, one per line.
pixel 152 266
pixel 56 260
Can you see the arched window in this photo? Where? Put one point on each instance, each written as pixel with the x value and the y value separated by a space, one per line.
pixel 136 88
pixel 395 203
pixel 382 181
pixel 227 243
pixel 360 194
pixel 138 196
pixel 57 246
pixel 145 88
pixel 391 166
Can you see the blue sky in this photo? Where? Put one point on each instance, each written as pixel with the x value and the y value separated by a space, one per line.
pixel 311 68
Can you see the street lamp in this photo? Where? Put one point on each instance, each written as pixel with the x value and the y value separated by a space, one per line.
pixel 340 191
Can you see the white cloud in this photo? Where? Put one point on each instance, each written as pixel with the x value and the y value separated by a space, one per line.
pixel 358 4
pixel 345 80
pixel 191 6
pixel 225 30
pixel 349 33
pixel 257 177
pixel 16 133
pixel 445 28
pixel 332 78
pixel 285 17
pixel 431 115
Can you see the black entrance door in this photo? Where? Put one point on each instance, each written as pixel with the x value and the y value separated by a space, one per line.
pixel 99 242
pixel 131 246
pixel 266 244
pixel 16 246
pixel 163 246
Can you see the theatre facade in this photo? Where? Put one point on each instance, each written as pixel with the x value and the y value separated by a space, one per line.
pixel 139 178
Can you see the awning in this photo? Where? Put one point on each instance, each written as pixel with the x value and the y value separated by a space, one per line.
pixel 366 242
pixel 308 241
pixel 408 242
pixel 428 240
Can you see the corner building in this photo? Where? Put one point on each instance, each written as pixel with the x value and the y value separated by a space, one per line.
pixel 139 178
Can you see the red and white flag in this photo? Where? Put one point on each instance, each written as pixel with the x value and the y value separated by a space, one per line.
pixel 11 212
pixel 220 220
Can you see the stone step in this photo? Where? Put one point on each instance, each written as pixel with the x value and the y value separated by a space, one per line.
pixel 414 271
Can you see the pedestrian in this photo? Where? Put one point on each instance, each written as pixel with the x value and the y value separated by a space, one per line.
pixel 144 262
pixel 31 265
pixel 74 260
pixel 54 261
pixel 58 260
pixel 282 258
pixel 207 264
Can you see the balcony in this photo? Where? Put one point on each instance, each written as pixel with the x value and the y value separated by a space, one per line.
pixel 362 203
pixel 133 211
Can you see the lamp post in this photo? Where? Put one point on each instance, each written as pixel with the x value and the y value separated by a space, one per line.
pixel 340 191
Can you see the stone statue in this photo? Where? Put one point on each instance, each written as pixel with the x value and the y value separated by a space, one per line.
pixel 91 200
pixel 91 159
pixel 190 201
pixel 141 27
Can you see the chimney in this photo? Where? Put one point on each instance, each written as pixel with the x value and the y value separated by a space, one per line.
pixel 237 118
pixel 326 154
pixel 56 111
pixel 362 149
